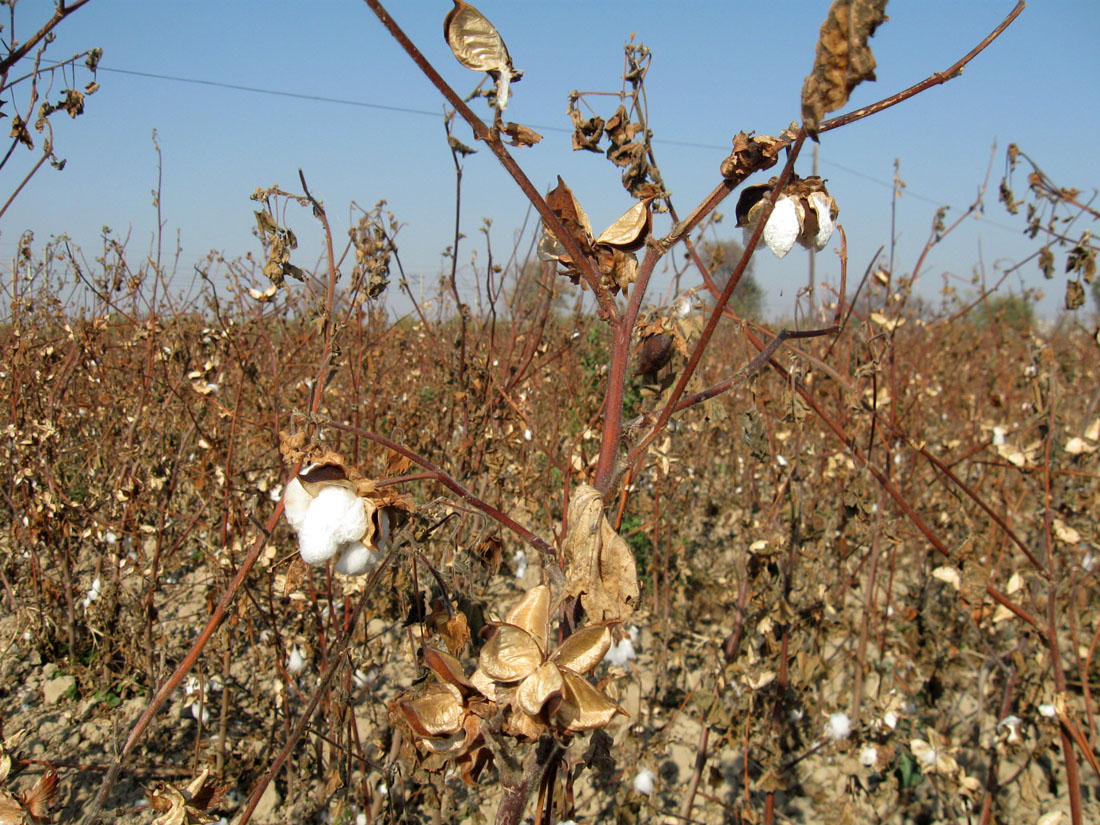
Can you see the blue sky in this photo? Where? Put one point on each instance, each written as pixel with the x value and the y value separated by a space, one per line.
pixel 718 68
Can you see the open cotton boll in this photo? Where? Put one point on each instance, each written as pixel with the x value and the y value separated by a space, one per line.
pixel 296 504
pixel 783 227
pixel 838 727
pixel 356 559
pixel 825 225
pixel 645 781
pixel 382 536
pixel 335 517
pixel 621 653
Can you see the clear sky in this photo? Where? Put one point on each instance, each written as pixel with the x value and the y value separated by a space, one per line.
pixel 718 68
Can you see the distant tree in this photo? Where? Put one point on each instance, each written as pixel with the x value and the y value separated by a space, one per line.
pixel 1014 311
pixel 748 297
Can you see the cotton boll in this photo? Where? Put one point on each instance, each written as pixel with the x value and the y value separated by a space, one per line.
pixel 356 559
pixel 621 653
pixel 825 225
pixel 205 712
pixel 296 662
pixel 335 518
pixel 868 756
pixel 520 561
pixel 296 504
pixel 838 727
pixel 382 535
pixel 644 781
pixel 782 228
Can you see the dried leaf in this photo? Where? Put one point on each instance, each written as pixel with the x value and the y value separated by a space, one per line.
pixel 1046 262
pixel 460 147
pixel 11 812
pixel 843 58
pixel 456 633
pixel 586 133
pixel 175 808
pixel 521 135
pixel 447 668
pixel 750 154
pixel 35 802
pixel 1075 294
pixel 599 565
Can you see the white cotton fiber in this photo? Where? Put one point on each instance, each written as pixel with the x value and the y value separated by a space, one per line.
pixel 782 228
pixel 620 653
pixel 825 226
pixel 356 559
pixel 838 727
pixel 644 782
pixel 296 504
pixel 335 518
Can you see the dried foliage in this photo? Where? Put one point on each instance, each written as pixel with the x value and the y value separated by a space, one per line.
pixel 843 59
pixel 600 565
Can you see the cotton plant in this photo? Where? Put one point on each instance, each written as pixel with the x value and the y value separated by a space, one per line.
pixel 339 518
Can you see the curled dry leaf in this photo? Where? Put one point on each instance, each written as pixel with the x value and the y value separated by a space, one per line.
pixel 600 566
pixel 843 59
pixel 1075 294
pixel 521 135
pixel 180 807
pixel 478 45
pixel 750 154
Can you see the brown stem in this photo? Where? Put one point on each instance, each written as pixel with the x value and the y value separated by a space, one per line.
pixel 492 139
pixel 447 481
pixel 60 14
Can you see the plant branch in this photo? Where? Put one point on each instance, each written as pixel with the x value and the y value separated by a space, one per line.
pixel 496 145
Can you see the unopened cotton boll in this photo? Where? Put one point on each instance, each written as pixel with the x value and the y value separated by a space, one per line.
pixel 335 517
